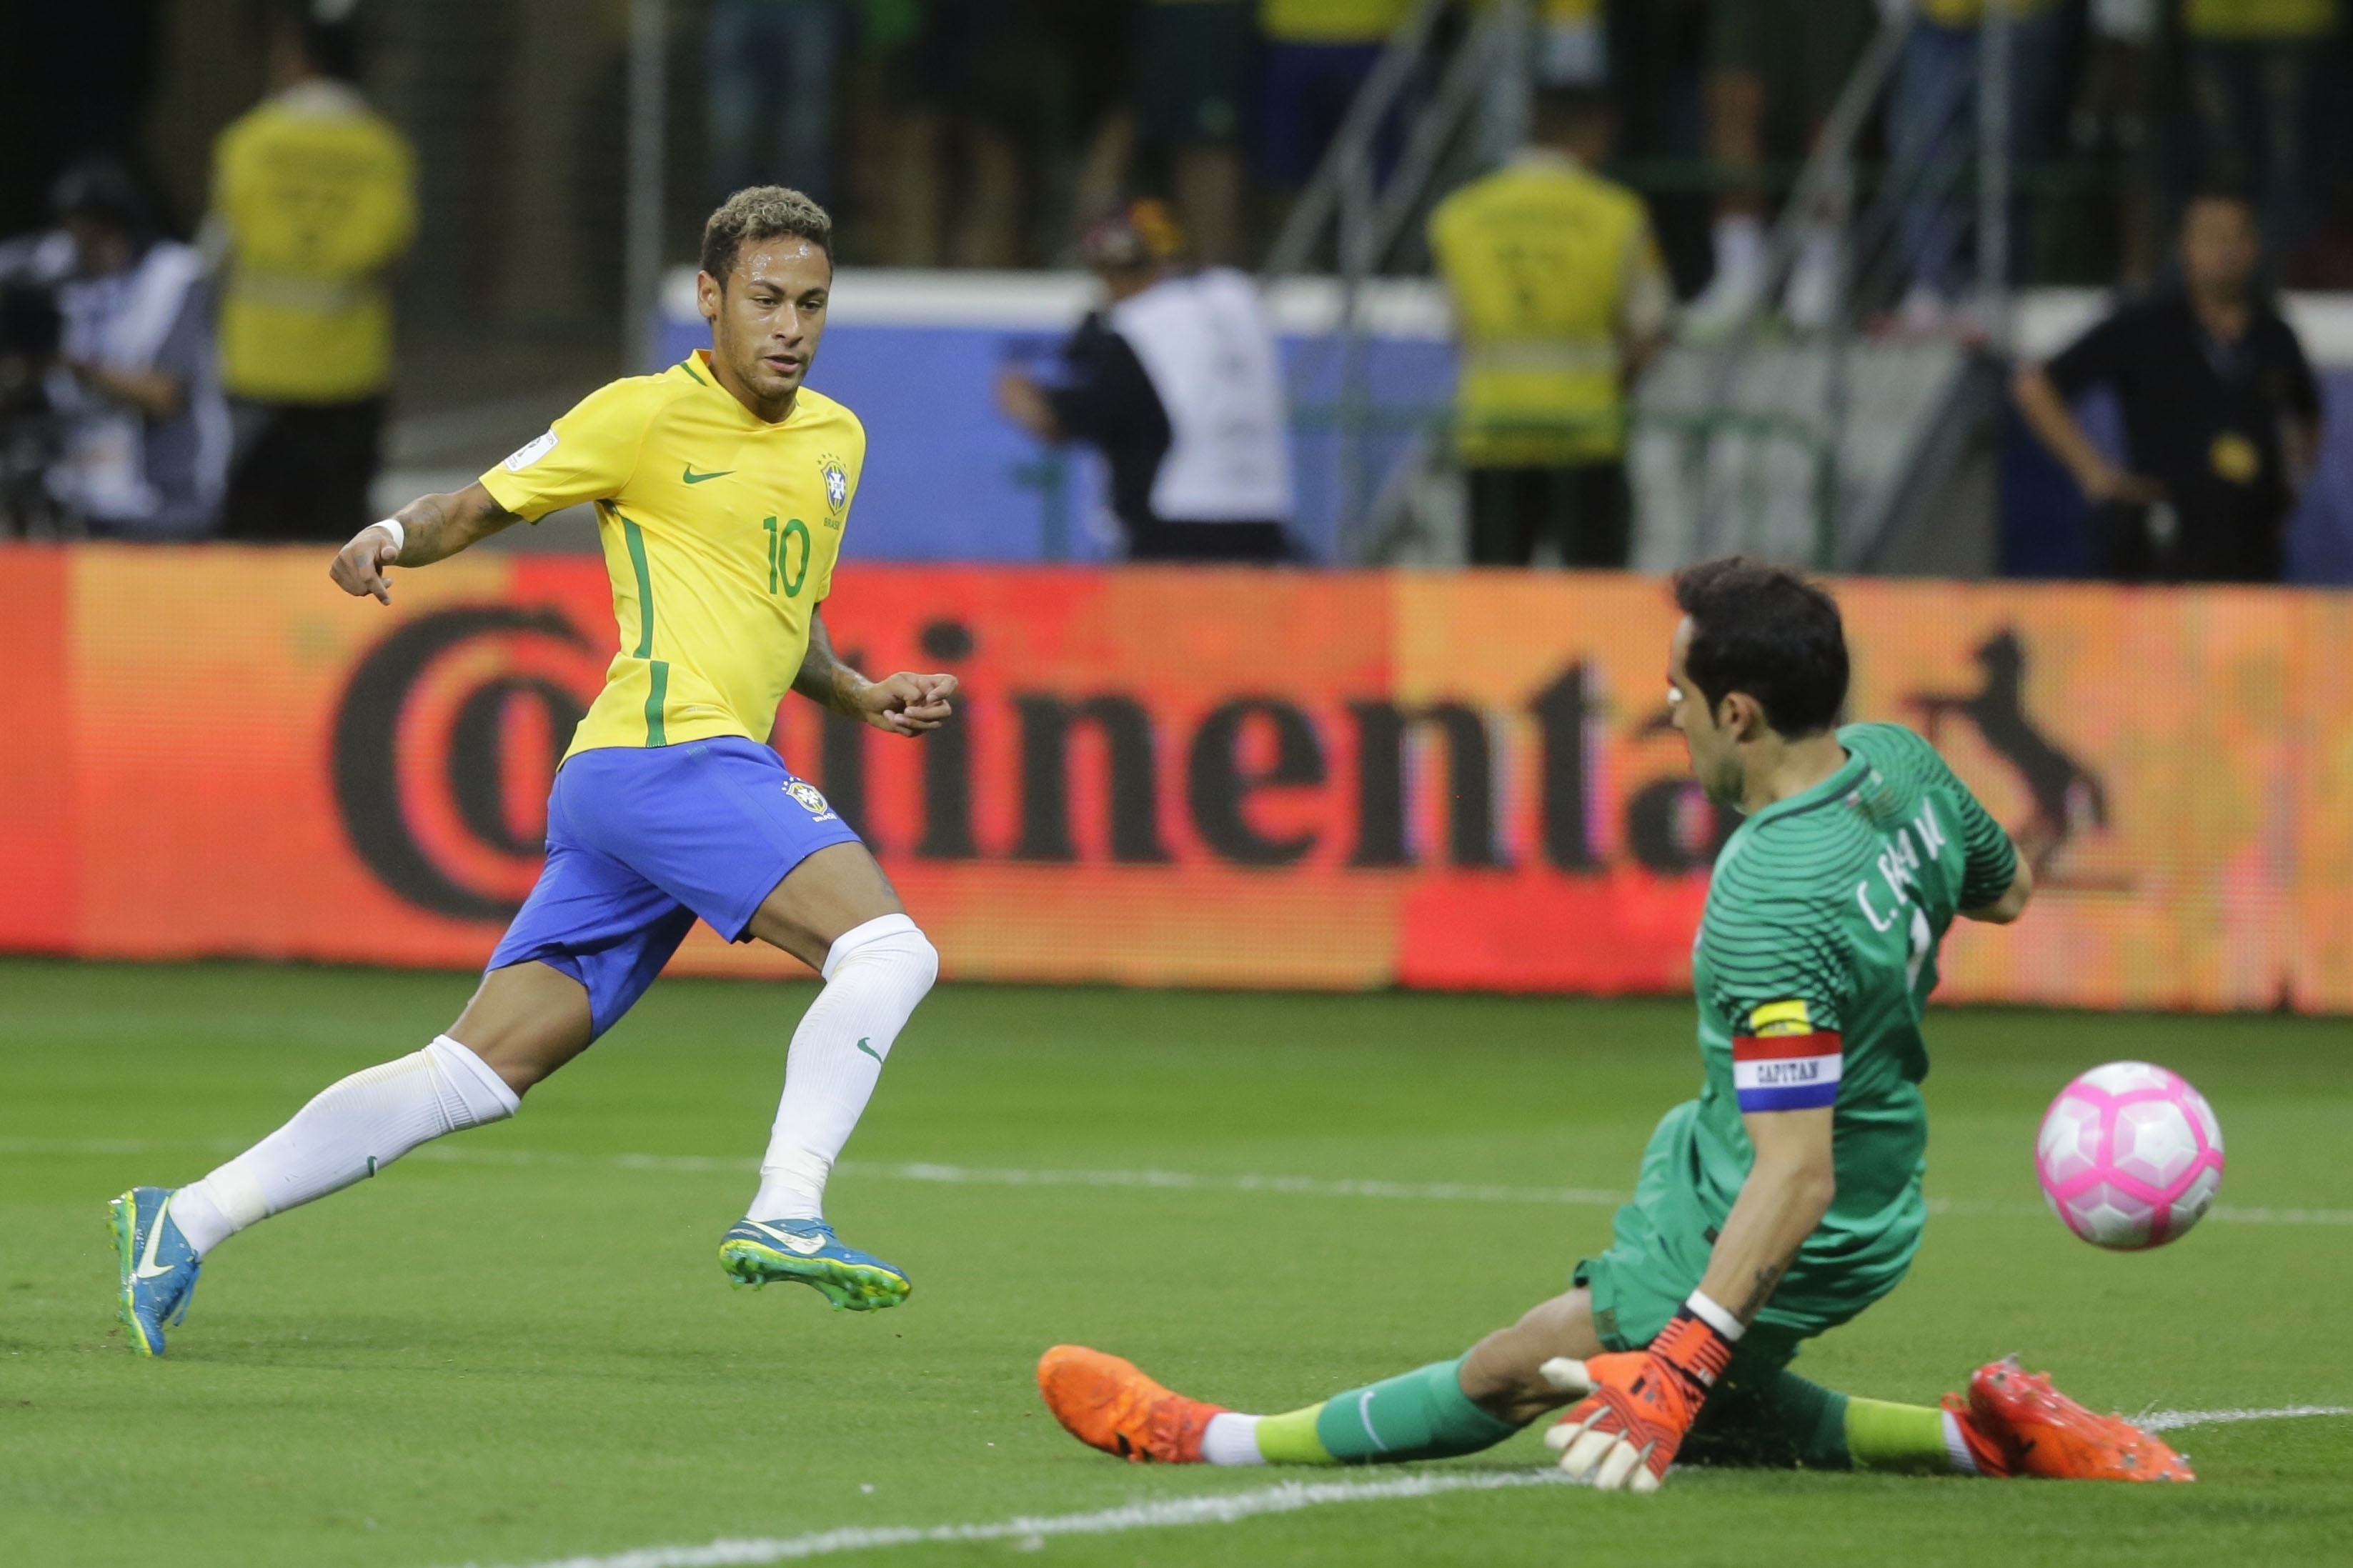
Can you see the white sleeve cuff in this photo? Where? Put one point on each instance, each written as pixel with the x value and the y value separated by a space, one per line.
pixel 1706 1309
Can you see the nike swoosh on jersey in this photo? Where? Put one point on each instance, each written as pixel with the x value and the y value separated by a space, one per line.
pixel 694 478
pixel 147 1269
pixel 790 1240
pixel 870 1050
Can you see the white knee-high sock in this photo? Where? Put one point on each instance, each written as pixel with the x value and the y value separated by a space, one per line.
pixel 1232 1439
pixel 350 1131
pixel 874 975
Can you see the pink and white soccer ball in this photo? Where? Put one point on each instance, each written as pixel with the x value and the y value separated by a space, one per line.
pixel 2130 1156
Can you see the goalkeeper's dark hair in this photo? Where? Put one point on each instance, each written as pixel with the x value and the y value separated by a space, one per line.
pixel 1765 630
pixel 761 212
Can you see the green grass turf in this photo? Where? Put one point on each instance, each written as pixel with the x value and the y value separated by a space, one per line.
pixel 475 1362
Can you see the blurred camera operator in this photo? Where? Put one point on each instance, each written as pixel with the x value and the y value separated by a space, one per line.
pixel 145 433
pixel 1179 382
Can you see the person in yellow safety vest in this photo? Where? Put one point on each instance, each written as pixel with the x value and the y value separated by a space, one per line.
pixel 313 199
pixel 1559 298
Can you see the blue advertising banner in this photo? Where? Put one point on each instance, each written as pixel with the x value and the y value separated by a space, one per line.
pixel 948 478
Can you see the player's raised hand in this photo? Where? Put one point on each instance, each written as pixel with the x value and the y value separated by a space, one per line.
pixel 1638 1405
pixel 907 703
pixel 359 565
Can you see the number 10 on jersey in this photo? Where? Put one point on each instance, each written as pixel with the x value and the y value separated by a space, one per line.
pixel 779 544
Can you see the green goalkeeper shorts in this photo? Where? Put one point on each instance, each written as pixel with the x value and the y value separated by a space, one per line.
pixel 1663 1239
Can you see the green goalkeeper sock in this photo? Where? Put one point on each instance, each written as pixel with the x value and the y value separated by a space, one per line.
pixel 1770 1417
pixel 1423 1414
pixel 1903 1438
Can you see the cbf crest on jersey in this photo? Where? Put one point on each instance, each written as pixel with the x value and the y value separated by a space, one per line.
pixel 836 484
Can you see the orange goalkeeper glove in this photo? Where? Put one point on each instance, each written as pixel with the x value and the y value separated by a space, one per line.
pixel 1638 1404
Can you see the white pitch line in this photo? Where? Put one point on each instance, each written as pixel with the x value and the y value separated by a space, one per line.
pixel 2174 1420
pixel 1181 1181
pixel 998 1176
pixel 1304 1186
pixel 1164 1181
pixel 1225 1508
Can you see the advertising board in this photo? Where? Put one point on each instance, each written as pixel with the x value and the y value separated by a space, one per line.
pixel 1207 778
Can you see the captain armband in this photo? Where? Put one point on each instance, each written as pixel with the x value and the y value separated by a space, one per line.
pixel 1782 1061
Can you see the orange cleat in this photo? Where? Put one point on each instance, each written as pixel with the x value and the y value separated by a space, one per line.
pixel 1107 1402
pixel 1989 1449
pixel 2039 1431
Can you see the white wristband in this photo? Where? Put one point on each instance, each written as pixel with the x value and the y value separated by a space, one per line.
pixel 399 535
pixel 1706 1310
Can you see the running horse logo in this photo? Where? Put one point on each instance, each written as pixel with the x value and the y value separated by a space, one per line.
pixel 2067 795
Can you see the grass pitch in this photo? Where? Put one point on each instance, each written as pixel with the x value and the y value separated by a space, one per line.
pixel 518 1346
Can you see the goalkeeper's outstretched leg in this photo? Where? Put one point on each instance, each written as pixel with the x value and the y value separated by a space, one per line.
pixel 1753 1411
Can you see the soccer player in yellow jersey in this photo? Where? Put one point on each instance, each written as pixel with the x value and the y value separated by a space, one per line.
pixel 721 486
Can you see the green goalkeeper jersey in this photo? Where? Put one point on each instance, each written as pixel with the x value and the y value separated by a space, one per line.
pixel 1814 963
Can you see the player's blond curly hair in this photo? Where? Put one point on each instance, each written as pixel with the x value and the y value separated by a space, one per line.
pixel 757 213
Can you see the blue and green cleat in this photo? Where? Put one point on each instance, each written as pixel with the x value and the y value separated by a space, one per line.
pixel 159 1268
pixel 807 1252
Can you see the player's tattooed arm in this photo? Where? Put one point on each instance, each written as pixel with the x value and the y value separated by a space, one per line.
pixel 432 528
pixel 1760 1290
pixel 1788 1191
pixel 904 704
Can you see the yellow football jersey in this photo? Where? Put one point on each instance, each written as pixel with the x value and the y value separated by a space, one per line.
pixel 720 533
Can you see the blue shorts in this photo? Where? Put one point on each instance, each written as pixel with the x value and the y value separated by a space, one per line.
pixel 639 842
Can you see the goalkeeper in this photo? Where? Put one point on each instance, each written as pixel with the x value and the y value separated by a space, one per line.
pixel 1783 1201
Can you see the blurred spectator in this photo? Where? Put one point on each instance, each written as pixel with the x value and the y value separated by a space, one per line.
pixel 1193 59
pixel 1559 298
pixel 1572 44
pixel 1775 72
pixel 1082 123
pixel 960 74
pixel 1658 52
pixel 1932 132
pixel 313 199
pixel 1317 54
pixel 768 77
pixel 2254 68
pixel 2222 415
pixel 891 154
pixel 2110 124
pixel 1179 383
pixel 147 435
